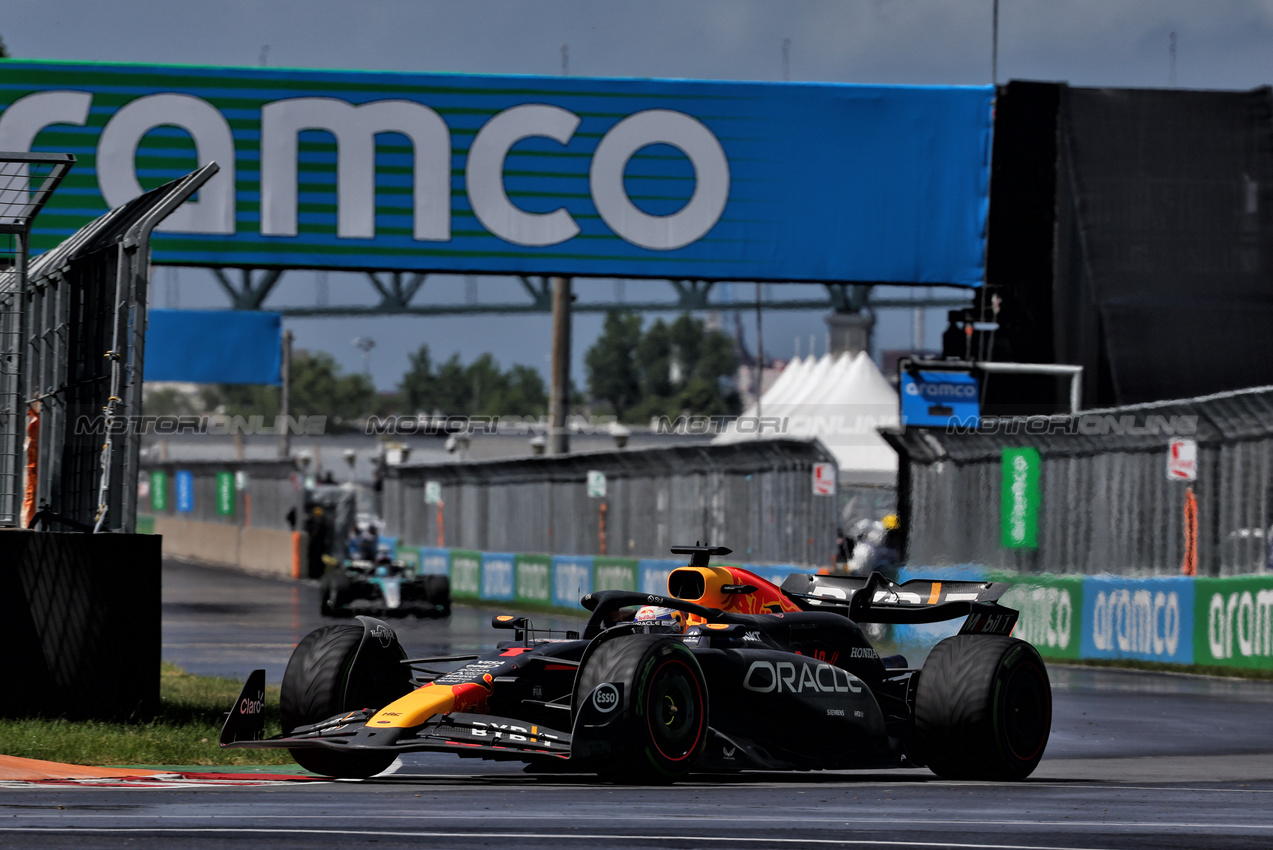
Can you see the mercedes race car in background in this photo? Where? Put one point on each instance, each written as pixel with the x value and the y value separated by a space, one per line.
pixel 382 586
pixel 726 672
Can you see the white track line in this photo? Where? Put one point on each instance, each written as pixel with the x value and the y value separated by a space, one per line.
pixel 555 836
pixel 911 819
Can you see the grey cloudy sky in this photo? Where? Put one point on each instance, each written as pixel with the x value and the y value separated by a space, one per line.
pixel 1225 44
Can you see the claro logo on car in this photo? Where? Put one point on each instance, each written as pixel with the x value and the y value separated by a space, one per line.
pixel 788 677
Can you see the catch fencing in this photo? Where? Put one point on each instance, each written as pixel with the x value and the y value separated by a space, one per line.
pixel 253 493
pixel 74 326
pixel 1105 502
pixel 27 181
pixel 756 498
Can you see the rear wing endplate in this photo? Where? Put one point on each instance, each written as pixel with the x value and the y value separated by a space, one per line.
pixel 878 599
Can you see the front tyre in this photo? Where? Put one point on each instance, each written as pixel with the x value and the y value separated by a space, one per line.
pixel 666 706
pixel 983 708
pixel 334 592
pixel 322 681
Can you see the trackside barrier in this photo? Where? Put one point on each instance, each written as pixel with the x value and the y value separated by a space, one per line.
pixel 653 573
pixel 572 579
pixel 1222 622
pixel 1233 620
pixel 552 581
pixel 1219 622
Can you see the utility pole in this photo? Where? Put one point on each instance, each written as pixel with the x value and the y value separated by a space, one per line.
pixel 285 398
pixel 760 359
pixel 559 401
pixel 994 46
pixel 1171 59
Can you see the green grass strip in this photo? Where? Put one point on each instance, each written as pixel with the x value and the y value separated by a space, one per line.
pixel 184 732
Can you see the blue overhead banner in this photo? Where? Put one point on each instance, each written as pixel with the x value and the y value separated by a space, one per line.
pixel 502 174
pixel 214 346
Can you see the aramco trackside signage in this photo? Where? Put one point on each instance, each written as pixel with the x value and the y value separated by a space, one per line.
pixel 1019 498
pixel 640 178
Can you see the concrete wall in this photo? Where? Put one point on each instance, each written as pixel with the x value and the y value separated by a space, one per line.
pixel 260 550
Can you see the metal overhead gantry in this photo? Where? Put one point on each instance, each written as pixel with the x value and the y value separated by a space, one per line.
pixel 398 291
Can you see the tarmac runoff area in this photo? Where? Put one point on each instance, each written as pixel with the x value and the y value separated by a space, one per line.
pixel 1135 760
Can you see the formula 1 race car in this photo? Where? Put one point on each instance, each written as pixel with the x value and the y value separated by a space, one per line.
pixel 385 587
pixel 727 672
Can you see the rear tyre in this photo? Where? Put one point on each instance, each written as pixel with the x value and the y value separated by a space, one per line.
pixel 666 707
pixel 321 681
pixel 983 708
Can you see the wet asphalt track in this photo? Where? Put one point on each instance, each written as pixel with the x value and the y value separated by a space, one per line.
pixel 1135 760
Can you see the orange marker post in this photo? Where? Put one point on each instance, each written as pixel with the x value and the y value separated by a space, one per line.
pixel 603 526
pixel 441 532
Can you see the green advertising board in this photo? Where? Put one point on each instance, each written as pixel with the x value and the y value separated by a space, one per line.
pixel 1051 611
pixel 614 574
pixel 1019 498
pixel 158 490
pixel 534 584
pixel 466 573
pixel 225 494
pixel 1233 622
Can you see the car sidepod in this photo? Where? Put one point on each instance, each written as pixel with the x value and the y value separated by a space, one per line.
pixel 779 710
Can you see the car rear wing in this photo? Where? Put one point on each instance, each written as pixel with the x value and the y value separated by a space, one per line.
pixel 878 599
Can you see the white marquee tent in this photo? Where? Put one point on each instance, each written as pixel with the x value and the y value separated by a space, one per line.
pixel 841 400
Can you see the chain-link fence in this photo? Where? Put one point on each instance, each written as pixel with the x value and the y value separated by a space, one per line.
pixel 757 498
pixel 1105 502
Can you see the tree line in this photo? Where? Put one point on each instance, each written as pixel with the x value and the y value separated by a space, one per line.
pixel 633 372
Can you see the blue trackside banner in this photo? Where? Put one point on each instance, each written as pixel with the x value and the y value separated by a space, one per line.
pixel 572 579
pixel 1148 619
pixel 515 174
pixel 652 574
pixel 434 561
pixel 497 575
pixel 214 346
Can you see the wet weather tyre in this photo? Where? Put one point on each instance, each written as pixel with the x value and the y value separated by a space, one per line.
pixel 437 590
pixel 321 682
pixel 665 705
pixel 983 708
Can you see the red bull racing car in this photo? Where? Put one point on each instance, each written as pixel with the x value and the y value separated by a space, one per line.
pixel 726 672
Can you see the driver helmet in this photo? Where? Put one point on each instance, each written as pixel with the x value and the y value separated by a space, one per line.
pixel 666 618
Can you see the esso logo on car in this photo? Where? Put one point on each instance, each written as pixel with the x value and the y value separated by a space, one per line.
pixel 605 698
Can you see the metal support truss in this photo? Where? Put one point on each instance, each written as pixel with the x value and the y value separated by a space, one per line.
pixel 399 289
pixel 251 293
